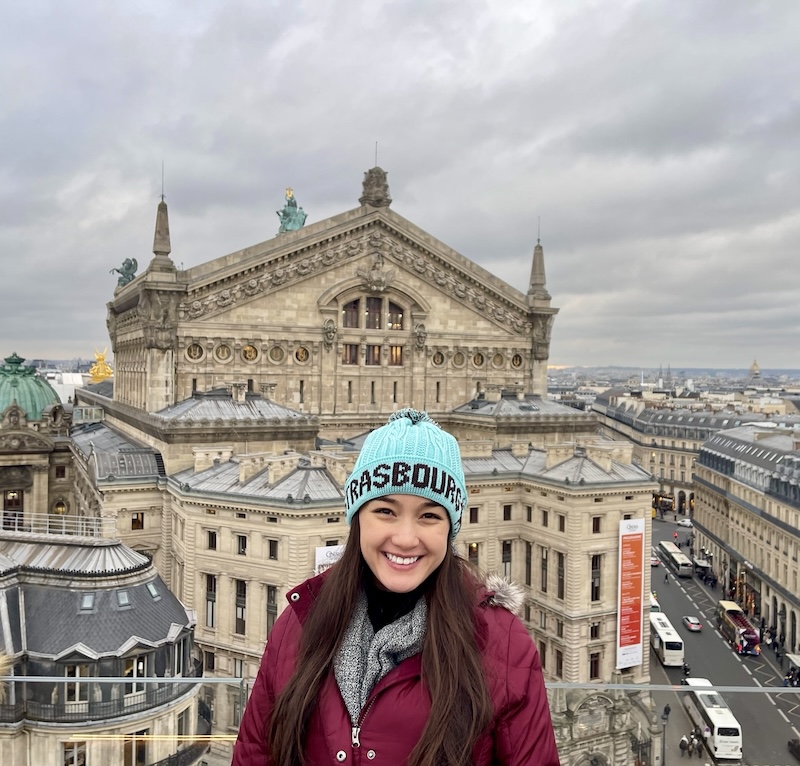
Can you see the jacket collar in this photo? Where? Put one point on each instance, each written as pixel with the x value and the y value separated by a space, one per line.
pixel 497 592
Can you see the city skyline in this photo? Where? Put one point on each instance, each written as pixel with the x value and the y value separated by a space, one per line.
pixel 650 148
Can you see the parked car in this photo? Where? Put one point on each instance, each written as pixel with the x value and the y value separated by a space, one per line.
pixel 692 623
pixel 685 523
pixel 654 561
pixel 794 747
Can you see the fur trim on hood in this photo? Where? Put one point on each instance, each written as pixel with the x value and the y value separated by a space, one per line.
pixel 504 593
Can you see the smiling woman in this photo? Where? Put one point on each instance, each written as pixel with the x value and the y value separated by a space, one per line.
pixel 389 647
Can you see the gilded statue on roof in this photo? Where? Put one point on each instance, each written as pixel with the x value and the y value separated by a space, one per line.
pixel 100 370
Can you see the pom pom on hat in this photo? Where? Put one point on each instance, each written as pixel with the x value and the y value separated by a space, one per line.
pixel 410 455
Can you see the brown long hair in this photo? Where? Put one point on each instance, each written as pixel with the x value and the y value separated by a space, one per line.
pixel 452 667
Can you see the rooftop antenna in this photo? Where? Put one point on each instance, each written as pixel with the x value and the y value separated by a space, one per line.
pixel 162 180
pixel 539 231
pixel 376 154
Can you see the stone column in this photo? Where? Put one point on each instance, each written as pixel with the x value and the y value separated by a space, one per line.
pixel 39 492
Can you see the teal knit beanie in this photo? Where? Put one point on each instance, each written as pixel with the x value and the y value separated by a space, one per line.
pixel 410 455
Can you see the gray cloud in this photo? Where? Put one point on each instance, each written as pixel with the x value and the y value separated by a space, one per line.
pixel 656 143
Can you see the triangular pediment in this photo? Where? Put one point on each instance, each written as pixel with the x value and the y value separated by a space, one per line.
pixel 377 250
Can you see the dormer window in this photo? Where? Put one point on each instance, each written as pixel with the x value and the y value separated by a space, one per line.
pixel 123 598
pixel 87 602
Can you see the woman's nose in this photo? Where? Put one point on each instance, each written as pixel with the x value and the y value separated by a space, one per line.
pixel 405 534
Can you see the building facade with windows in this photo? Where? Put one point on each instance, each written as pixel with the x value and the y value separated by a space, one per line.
pixel 667 439
pixel 747 519
pixel 35 457
pixel 80 608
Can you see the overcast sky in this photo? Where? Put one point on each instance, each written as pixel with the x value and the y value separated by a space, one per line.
pixel 656 140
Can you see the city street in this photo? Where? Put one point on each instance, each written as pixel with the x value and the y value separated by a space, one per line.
pixel 767 721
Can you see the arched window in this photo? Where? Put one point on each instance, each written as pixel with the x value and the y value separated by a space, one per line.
pixel 60 507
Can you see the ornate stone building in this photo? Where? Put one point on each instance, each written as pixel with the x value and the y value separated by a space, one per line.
pixel 96 615
pixel 35 456
pixel 348 318
pixel 244 388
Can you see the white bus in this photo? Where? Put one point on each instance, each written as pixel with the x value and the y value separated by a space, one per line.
pixel 665 640
pixel 654 605
pixel 708 710
pixel 678 562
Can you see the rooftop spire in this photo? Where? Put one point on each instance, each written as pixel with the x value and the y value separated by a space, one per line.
pixel 537 291
pixel 161 244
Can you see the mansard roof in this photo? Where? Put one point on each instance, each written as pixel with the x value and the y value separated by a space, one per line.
pixel 90 596
pixel 220 404
pixel 115 455
pixel 304 481
pixel 513 405
pixel 576 469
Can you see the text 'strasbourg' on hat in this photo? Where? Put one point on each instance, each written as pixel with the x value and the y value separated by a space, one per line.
pixel 410 455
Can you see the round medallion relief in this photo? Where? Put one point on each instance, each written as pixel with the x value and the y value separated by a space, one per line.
pixel 249 353
pixel 438 359
pixel 459 359
pixel 195 352
pixel 516 360
pixel 498 360
pixel 478 359
pixel 276 354
pixel 301 355
pixel 223 352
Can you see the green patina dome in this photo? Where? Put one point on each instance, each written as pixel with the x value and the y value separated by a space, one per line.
pixel 31 392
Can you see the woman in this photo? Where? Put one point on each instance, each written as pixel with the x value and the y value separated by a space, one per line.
pixel 397 654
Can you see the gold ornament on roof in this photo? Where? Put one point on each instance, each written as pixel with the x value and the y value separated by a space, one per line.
pixel 100 370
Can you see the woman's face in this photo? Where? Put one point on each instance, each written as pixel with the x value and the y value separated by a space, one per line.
pixel 404 538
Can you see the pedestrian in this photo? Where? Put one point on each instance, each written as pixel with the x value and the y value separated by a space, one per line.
pixel 398 650
pixel 666 578
pixel 667 710
pixel 683 745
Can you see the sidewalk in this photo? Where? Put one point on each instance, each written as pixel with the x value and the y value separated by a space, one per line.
pixel 678 725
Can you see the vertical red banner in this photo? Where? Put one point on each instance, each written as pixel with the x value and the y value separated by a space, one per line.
pixel 630 593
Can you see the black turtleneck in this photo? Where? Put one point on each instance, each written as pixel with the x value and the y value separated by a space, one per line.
pixel 385 606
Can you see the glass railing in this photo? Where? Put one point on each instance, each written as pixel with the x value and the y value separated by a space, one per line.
pixel 595 724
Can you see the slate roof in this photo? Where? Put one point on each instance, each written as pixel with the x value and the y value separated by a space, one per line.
pixel 751 445
pixel 305 480
pixel 114 454
pixel 220 405
pixel 575 468
pixel 55 624
pixel 42 584
pixel 510 405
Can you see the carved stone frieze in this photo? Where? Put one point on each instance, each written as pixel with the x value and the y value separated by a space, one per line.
pixel 204 302
pixel 22 442
pixel 376 278
pixel 159 317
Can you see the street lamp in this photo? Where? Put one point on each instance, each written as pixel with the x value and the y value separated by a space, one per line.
pixel 664 719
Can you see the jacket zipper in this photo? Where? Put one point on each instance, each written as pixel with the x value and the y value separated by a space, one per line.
pixel 356 731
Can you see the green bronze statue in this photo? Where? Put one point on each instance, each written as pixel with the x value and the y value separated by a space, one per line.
pixel 127 272
pixel 292 217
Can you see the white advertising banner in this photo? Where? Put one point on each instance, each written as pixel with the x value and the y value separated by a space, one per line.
pixel 630 601
pixel 325 557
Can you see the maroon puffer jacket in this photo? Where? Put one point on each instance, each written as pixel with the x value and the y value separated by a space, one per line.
pixel 398 706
